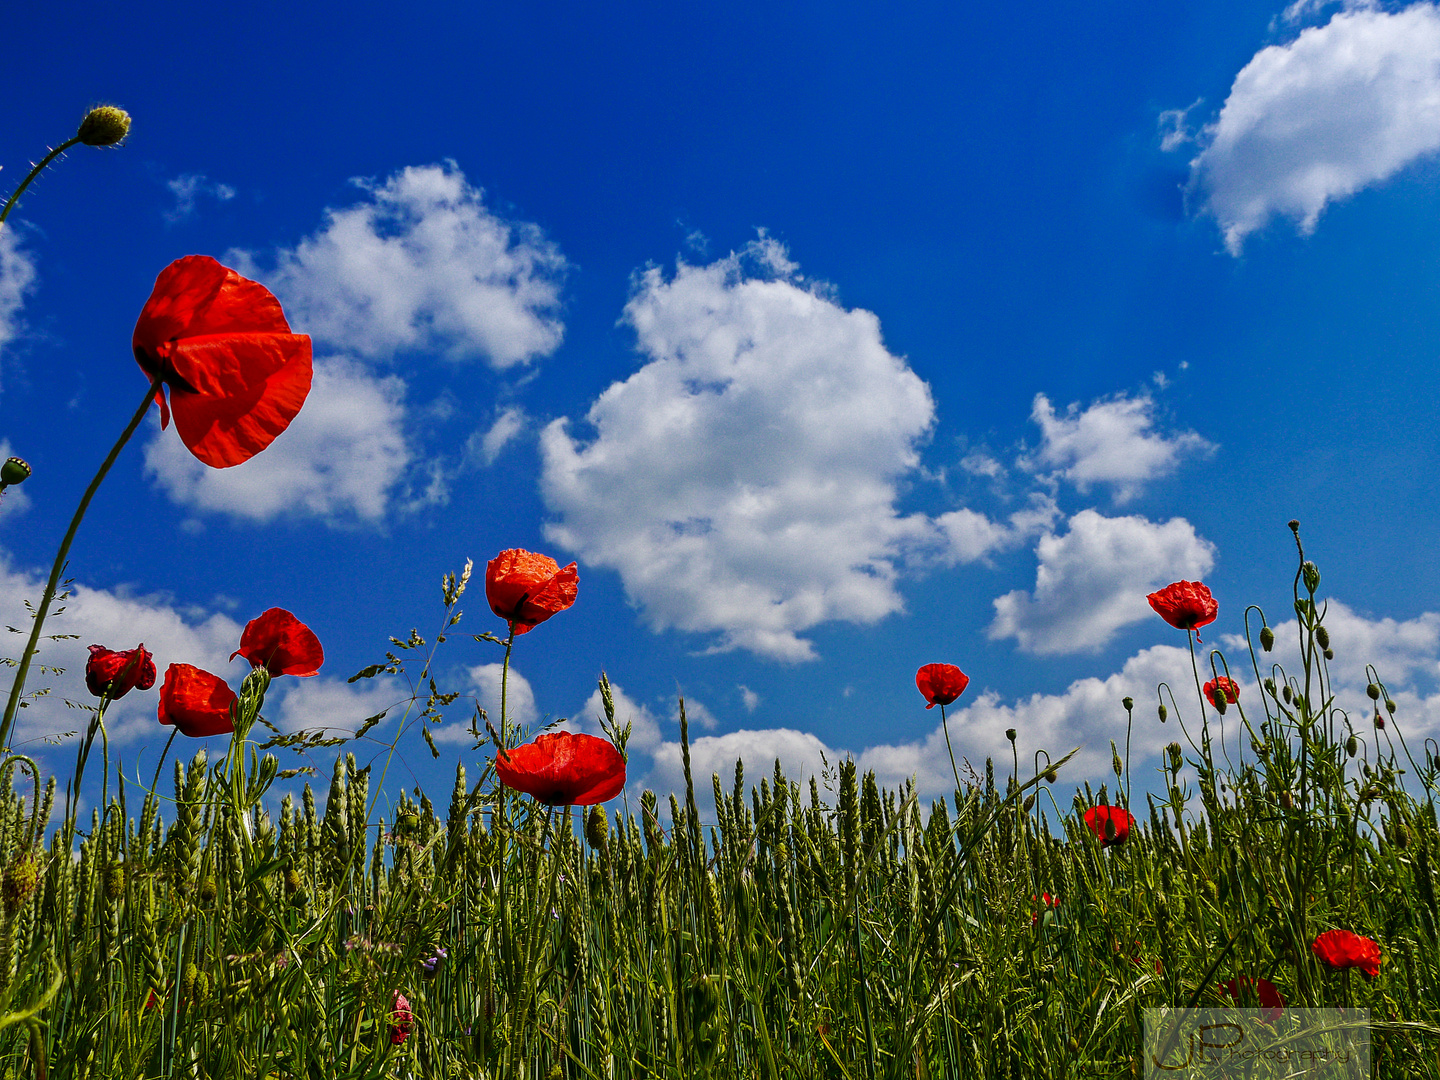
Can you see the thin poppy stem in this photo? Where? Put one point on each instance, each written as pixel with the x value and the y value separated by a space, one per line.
pixel 18 688
pixel 36 170
pixel 953 769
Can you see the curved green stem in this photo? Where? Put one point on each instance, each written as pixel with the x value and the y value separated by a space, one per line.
pixel 18 689
pixel 35 170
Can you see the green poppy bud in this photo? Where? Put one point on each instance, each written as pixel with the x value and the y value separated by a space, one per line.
pixel 1177 756
pixel 1352 746
pixel 1051 776
pixel 1390 706
pixel 104 126
pixel 1270 687
pixel 1029 802
pixel 1267 638
pixel 14 471
pixel 1163 712
pixel 1311 574
pixel 1323 637
pixel 1128 702
pixel 1329 654
pixel 1286 694
pixel 1110 830
pixel 1373 691
pixel 1010 734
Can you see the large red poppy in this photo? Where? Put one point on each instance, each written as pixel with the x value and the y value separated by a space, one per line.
pixel 277 640
pixel 220 342
pixel 563 768
pixel 1098 816
pixel 526 589
pixel 1185 605
pixel 1221 691
pixel 117 673
pixel 1265 992
pixel 198 703
pixel 1343 949
pixel 941 683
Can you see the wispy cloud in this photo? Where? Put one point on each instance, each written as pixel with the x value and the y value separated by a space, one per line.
pixel 17 277
pixel 188 189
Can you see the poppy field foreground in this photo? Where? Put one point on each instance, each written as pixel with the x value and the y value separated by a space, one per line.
pixel 524 931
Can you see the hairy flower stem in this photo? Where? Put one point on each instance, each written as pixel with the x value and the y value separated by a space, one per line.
pixel 61 556
pixel 946 726
pixel 506 939
pixel 36 170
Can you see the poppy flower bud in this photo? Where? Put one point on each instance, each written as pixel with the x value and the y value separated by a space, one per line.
pixel 1177 756
pixel 1373 692
pixel 1352 746
pixel 1323 637
pixel 1051 776
pixel 1110 831
pixel 1311 574
pixel 14 471
pixel 1164 712
pixel 1379 721
pixel 1128 703
pixel 1029 802
pixel 1390 706
pixel 1267 638
pixel 1286 694
pixel 104 126
pixel 1329 654
pixel 1010 734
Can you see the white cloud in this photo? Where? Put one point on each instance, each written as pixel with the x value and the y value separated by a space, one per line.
pixel 423 265
pixel 1174 125
pixel 969 536
pixel 483 449
pixel 748 697
pixel 17 277
pixel 117 621
pixel 1093 580
pixel 1111 442
pixel 187 189
pixel 645 734
pixel 336 706
pixel 343 456
pixel 743 481
pixel 1343 106
pixel 519 701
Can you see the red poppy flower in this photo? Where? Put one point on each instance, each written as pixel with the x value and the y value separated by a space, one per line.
pixel 1185 605
pixel 1046 900
pixel 526 589
pixel 1221 691
pixel 1098 817
pixel 941 683
pixel 400 1019
pixel 220 342
pixel 1342 949
pixel 281 642
pixel 564 769
pixel 119 672
pixel 1264 990
pixel 197 703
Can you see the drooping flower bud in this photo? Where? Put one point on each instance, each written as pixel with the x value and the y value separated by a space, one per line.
pixel 1322 636
pixel 14 471
pixel 1390 706
pixel 1267 638
pixel 104 126
pixel 1373 692
pixel 1379 721
pixel 1051 776
pixel 1352 746
pixel 1164 712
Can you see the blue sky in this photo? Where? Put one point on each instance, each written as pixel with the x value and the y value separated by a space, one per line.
pixel 829 342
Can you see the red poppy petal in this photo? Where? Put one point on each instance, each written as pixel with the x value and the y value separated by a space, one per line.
pixel 197 295
pixel 564 768
pixel 278 640
pixel 232 426
pixel 196 702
